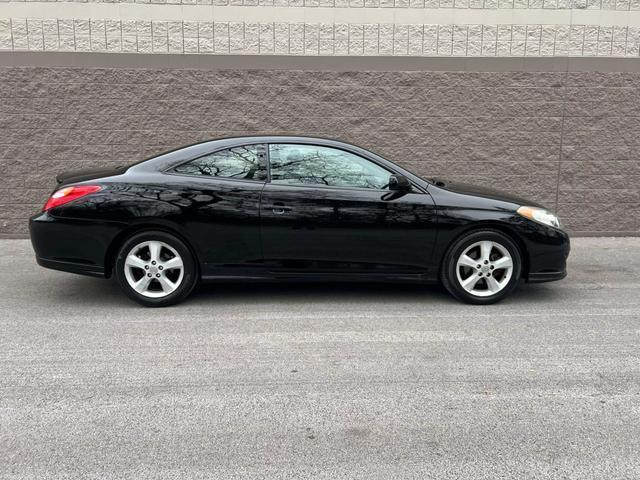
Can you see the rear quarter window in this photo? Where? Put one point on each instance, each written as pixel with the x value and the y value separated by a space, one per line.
pixel 244 163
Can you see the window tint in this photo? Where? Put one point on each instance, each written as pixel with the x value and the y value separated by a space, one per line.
pixel 238 162
pixel 314 165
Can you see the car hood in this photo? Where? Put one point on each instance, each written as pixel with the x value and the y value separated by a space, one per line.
pixel 82 175
pixel 478 191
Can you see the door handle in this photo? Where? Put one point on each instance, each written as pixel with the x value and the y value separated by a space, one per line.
pixel 280 208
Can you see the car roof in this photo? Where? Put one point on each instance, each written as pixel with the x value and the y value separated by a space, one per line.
pixel 244 139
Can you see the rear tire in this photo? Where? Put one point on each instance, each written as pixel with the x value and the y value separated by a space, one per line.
pixel 482 267
pixel 156 269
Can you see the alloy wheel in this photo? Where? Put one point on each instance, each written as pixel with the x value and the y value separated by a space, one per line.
pixel 484 268
pixel 154 269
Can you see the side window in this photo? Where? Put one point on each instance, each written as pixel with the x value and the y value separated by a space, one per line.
pixel 246 162
pixel 314 165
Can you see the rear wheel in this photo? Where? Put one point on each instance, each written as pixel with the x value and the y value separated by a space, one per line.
pixel 482 267
pixel 156 269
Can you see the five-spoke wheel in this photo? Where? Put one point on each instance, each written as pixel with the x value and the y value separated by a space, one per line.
pixel 481 267
pixel 156 268
pixel 484 268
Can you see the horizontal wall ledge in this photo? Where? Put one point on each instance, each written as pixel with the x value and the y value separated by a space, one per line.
pixel 329 63
pixel 132 11
pixel 620 5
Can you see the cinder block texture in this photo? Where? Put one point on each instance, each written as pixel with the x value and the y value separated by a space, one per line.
pixel 568 140
pixel 245 38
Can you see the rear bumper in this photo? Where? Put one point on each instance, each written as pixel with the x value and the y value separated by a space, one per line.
pixel 71 267
pixel 70 245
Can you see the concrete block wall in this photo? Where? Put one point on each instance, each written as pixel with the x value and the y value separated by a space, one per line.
pixel 569 139
pixel 538 97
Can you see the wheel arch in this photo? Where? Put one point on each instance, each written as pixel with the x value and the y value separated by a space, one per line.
pixel 500 227
pixel 121 237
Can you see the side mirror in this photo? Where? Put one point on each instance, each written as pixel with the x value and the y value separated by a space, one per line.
pixel 399 183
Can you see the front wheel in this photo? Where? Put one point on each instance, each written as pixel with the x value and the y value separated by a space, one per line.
pixel 482 267
pixel 156 269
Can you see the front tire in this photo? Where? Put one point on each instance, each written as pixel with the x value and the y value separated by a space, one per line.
pixel 482 267
pixel 156 269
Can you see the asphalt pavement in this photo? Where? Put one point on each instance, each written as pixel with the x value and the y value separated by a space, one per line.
pixel 322 381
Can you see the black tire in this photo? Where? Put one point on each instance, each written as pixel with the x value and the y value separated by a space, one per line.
pixel 449 277
pixel 190 269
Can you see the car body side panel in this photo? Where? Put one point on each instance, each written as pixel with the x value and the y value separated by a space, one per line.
pixel 324 229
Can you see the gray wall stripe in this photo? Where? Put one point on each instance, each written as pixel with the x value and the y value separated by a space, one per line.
pixel 281 62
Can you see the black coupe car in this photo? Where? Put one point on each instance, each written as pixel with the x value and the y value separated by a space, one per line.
pixel 291 208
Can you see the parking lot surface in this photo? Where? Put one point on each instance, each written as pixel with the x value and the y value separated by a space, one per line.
pixel 322 381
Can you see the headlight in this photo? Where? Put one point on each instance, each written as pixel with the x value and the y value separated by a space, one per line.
pixel 540 215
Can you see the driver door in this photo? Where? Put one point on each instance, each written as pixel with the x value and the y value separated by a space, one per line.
pixel 327 210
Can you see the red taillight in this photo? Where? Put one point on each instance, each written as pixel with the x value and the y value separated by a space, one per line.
pixel 67 194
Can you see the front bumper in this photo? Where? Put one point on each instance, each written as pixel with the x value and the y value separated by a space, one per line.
pixel 546 276
pixel 548 257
